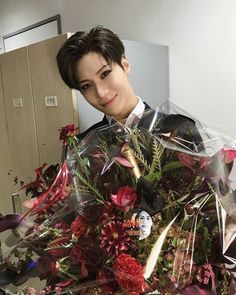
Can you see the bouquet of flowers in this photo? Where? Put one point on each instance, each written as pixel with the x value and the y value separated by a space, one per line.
pixel 147 209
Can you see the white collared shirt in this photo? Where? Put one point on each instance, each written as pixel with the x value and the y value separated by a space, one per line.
pixel 136 114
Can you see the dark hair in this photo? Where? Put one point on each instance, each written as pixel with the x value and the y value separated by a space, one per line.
pixel 99 40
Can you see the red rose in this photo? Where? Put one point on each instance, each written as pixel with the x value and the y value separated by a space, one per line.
pixel 47 267
pixel 78 227
pixel 66 132
pixel 125 198
pixel 129 274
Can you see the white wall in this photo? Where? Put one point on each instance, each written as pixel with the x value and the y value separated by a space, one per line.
pixel 129 19
pixel 201 35
pixel 15 15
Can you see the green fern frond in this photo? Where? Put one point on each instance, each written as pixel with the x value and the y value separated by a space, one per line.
pixel 157 150
pixel 135 144
pixel 91 187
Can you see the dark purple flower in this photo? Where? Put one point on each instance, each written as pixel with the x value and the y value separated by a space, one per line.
pixel 77 254
pixel 47 267
pixel 9 221
pixel 93 214
pixel 107 280
pixel 94 258
pixel 195 290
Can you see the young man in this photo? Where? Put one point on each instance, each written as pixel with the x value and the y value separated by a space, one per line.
pixel 94 63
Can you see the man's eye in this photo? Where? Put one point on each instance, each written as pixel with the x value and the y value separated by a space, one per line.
pixel 84 87
pixel 105 73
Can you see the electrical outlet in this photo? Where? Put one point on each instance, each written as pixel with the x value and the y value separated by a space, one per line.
pixel 17 102
pixel 51 101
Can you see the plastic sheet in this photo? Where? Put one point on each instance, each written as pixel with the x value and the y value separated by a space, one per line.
pixel 146 209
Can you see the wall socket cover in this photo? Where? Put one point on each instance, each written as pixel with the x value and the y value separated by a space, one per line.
pixel 17 102
pixel 50 101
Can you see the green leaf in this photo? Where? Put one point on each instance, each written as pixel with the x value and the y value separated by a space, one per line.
pixel 154 177
pixel 171 166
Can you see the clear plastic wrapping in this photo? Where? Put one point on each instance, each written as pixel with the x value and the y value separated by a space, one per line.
pixel 147 209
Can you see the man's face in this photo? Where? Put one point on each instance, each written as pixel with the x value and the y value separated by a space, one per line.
pixel 106 86
pixel 145 221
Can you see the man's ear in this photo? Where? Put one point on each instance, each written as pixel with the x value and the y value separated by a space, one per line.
pixel 126 65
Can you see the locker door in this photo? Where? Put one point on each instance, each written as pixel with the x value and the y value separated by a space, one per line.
pixel 20 113
pixel 46 82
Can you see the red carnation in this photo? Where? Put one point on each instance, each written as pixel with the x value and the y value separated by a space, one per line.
pixel 129 274
pixel 78 227
pixel 125 198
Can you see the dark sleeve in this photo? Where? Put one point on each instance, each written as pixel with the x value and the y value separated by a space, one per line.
pixel 184 127
pixel 82 135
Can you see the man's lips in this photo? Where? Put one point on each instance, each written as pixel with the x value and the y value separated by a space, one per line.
pixel 109 102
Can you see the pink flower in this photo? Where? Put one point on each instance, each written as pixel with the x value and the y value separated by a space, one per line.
pixel 125 198
pixel 228 154
pixel 186 160
pixel 205 274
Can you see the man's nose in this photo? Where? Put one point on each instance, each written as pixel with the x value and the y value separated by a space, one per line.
pixel 102 90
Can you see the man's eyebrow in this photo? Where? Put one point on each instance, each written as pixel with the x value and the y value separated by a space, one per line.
pixel 101 68
pixel 82 81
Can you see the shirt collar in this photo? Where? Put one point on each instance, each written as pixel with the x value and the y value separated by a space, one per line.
pixel 136 114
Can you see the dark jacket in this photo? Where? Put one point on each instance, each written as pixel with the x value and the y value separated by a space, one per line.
pixel 183 126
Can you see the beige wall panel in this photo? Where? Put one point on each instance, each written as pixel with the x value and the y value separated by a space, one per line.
pixel 6 178
pixel 47 82
pixel 21 123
